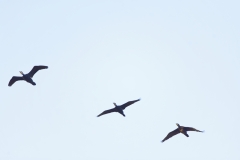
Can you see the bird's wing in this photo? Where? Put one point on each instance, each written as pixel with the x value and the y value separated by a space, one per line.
pixel 107 111
pixel 170 134
pixel 191 129
pixel 125 105
pixel 35 69
pixel 14 79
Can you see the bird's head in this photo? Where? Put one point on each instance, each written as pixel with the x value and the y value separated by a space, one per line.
pixel 115 104
pixel 177 124
pixel 21 72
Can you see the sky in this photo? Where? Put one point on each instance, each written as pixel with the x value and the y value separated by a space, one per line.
pixel 180 57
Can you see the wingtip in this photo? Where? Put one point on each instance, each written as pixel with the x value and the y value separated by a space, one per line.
pixel 45 67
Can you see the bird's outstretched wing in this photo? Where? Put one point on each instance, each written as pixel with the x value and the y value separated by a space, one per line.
pixel 191 129
pixel 170 134
pixel 125 105
pixel 107 111
pixel 35 69
pixel 14 79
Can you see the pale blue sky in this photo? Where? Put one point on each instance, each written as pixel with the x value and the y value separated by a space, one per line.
pixel 180 57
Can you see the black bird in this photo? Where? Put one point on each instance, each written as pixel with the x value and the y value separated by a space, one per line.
pixel 180 129
pixel 119 109
pixel 27 77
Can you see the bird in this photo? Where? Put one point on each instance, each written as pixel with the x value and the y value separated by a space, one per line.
pixel 180 129
pixel 27 77
pixel 119 109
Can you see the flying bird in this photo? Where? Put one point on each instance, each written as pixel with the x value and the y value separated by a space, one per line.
pixel 180 129
pixel 119 109
pixel 27 77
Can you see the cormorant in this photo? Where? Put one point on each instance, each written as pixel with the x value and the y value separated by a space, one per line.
pixel 180 129
pixel 119 109
pixel 27 77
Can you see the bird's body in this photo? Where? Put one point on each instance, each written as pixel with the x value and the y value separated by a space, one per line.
pixel 180 129
pixel 27 77
pixel 119 109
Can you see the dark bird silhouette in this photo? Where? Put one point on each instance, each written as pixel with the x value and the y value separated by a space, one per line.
pixel 180 129
pixel 27 77
pixel 119 109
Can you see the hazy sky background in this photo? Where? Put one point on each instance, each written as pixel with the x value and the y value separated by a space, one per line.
pixel 180 57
